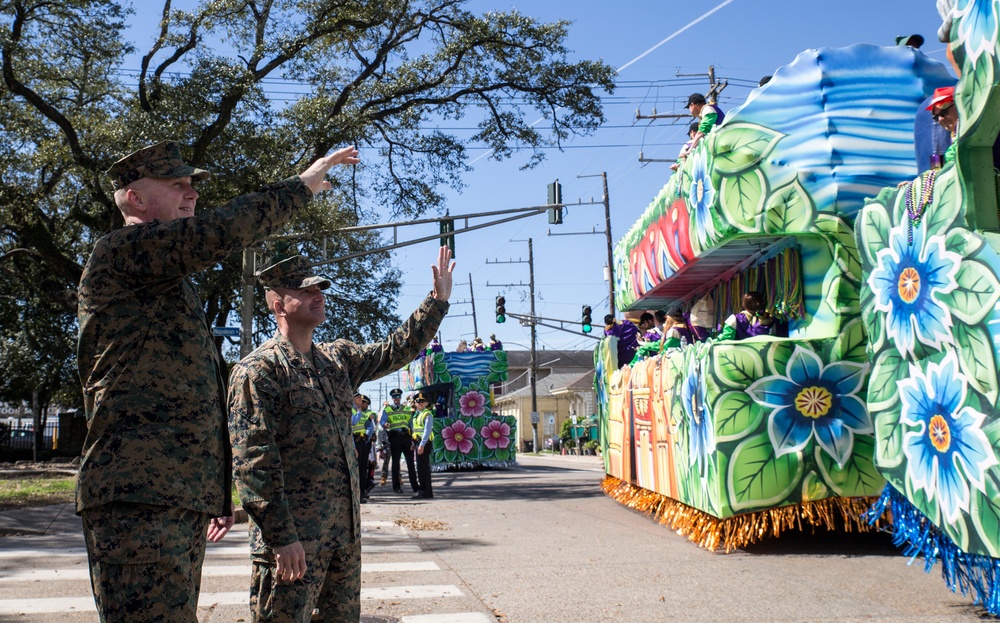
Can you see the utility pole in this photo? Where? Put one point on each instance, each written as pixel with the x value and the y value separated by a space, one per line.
pixel 246 315
pixel 472 298
pixel 532 361
pixel 610 268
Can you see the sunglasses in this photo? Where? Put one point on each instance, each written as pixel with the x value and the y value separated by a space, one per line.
pixel 420 400
pixel 941 112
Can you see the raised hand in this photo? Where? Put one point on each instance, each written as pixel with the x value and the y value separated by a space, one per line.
pixel 442 274
pixel 315 176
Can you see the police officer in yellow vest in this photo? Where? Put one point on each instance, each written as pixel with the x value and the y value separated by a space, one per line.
pixel 397 420
pixel 423 435
pixel 363 430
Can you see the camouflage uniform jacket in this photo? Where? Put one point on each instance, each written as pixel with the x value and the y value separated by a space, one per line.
pixel 290 426
pixel 152 382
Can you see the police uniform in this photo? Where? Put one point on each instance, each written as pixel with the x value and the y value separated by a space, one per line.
pixel 363 431
pixel 398 422
pixel 156 462
pixel 293 456
pixel 423 435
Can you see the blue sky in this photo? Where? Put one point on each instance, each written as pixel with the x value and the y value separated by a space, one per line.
pixel 743 39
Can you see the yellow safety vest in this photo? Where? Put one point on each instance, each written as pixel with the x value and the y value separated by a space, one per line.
pixel 399 419
pixel 418 425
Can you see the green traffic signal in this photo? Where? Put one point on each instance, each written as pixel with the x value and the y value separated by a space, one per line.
pixel 501 309
pixel 587 322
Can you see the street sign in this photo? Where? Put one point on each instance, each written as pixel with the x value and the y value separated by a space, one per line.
pixel 535 418
pixel 226 331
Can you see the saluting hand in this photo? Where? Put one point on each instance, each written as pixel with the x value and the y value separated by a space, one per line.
pixel 442 274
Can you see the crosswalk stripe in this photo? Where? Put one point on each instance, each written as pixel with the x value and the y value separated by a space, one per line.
pixel 458 617
pixel 52 605
pixel 389 549
pixel 208 571
pixel 410 592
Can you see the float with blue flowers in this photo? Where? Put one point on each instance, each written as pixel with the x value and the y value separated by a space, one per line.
pixel 467 433
pixel 929 299
pixel 730 441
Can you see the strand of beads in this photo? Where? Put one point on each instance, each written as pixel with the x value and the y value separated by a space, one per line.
pixel 915 213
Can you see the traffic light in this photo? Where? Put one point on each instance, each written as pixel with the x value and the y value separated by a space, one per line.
pixel 588 323
pixel 501 310
pixel 448 227
pixel 555 197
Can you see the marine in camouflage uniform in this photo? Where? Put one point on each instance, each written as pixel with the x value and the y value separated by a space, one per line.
pixel 155 465
pixel 293 454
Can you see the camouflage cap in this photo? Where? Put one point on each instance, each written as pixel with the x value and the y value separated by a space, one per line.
pixel 160 160
pixel 293 273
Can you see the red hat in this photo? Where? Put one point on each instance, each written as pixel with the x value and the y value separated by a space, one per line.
pixel 942 95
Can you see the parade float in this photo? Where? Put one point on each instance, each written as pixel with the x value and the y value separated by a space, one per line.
pixel 929 300
pixel 467 433
pixel 730 441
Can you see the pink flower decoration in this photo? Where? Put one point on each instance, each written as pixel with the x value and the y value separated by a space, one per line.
pixel 496 435
pixel 459 437
pixel 472 404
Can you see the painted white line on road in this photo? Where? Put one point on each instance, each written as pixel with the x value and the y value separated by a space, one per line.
pixel 389 549
pixel 208 571
pixel 410 592
pixel 86 604
pixel 391 567
pixel 458 617
pixel 378 524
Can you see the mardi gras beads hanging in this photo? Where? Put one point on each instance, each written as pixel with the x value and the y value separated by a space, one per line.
pixel 915 212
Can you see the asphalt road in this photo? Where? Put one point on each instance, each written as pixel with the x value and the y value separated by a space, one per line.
pixel 540 543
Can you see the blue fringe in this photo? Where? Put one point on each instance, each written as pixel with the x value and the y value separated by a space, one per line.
pixel 913 532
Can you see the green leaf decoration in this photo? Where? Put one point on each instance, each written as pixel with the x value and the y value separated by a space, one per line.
pixel 757 478
pixel 737 366
pixel 963 241
pixel 790 209
pixel 873 325
pixel 813 488
pixel 850 343
pixel 736 415
pixel 976 355
pixel 777 356
pixel 972 93
pixel 883 391
pixel 742 199
pixel 958 531
pixel 875 226
pixel 858 476
pixel 737 147
pixel 888 439
pixel 944 210
pixel 977 292
pixel 846 247
pixel 986 517
pixel 925 505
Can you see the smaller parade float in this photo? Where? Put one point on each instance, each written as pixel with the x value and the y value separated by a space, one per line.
pixel 467 433
pixel 730 441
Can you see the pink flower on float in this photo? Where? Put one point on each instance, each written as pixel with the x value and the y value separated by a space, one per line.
pixel 472 404
pixel 459 437
pixel 496 435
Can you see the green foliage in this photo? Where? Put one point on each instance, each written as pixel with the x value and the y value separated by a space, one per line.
pixel 374 74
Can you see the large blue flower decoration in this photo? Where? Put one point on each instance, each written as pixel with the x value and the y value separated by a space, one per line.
pixel 813 399
pixel 904 284
pixel 949 449
pixel 977 27
pixel 694 395
pixel 701 198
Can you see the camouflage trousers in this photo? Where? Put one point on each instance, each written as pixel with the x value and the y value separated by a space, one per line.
pixel 145 562
pixel 332 585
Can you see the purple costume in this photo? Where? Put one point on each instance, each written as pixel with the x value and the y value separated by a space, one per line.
pixel 628 340
pixel 739 327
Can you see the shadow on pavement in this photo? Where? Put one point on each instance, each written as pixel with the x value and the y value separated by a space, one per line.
pixel 826 543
